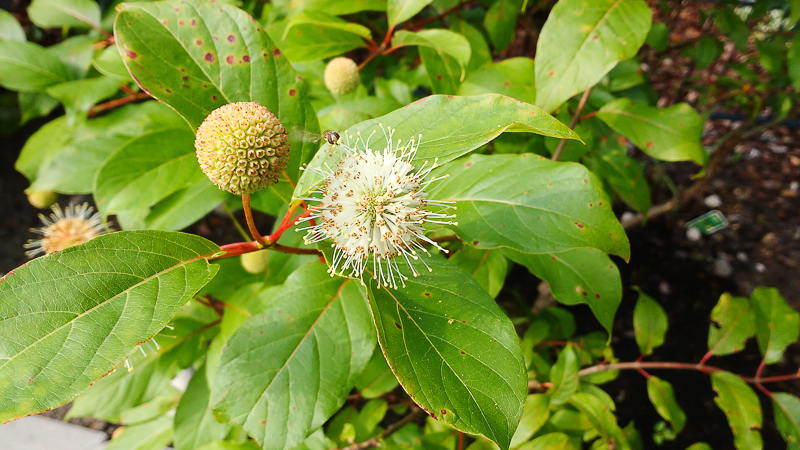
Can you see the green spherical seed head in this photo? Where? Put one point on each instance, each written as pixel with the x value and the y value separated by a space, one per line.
pixel 42 199
pixel 341 76
pixel 242 147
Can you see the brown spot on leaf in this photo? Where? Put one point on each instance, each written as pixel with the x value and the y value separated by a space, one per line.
pixel 551 73
pixel 579 225
pixel 648 144
pixel 427 294
pixel 444 411
pixel 246 58
pixel 194 23
pixel 209 57
pixel 439 77
pixel 131 55
pixel 198 42
pixel 399 327
pixel 276 52
pixel 231 38
pixel 229 59
pixel 292 92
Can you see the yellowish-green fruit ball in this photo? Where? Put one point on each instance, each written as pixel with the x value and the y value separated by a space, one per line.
pixel 255 262
pixel 42 199
pixel 242 147
pixel 341 76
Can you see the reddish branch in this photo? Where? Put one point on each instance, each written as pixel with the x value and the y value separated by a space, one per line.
pixel 376 441
pixel 638 366
pixel 574 121
pixel 97 109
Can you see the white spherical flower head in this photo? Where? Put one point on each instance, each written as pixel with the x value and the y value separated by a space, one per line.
pixel 375 204
pixel 72 226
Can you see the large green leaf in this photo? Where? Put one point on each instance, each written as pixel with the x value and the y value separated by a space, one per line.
pixel 10 29
pixel 609 159
pixel 668 134
pixel 787 416
pixel 194 424
pixel 70 317
pixel 649 324
pixel 64 13
pixel 602 418
pixel 777 324
pixel 663 398
pixel 741 407
pixel 453 350
pixel 196 56
pixel 445 43
pixel 76 53
pixel 582 41
pixel 401 10
pixel 512 77
pixel 147 169
pixel 530 204
pixel 488 267
pixel 80 95
pixel 301 39
pixel 578 276
pixel 186 206
pixel 450 127
pixel 296 360
pixel 338 7
pixel 27 67
pixel 732 325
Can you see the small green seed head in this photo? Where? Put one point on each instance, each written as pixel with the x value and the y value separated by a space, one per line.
pixel 42 199
pixel 341 76
pixel 255 262
pixel 242 147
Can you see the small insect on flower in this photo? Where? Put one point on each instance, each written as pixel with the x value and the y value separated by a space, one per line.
pixel 72 226
pixel 375 204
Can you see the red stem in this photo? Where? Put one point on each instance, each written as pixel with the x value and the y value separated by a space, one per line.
pixel 681 366
pixel 248 215
pixel 97 109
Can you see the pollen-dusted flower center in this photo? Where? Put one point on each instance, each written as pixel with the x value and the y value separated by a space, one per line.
pixel 374 204
pixel 242 147
pixel 75 225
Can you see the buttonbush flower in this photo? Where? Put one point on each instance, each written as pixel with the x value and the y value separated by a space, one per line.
pixel 375 204
pixel 72 226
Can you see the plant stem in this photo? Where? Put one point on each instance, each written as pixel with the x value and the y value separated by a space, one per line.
pixel 295 250
pixel 238 248
pixel 97 109
pixel 248 215
pixel 423 22
pixel 574 121
pixel 681 366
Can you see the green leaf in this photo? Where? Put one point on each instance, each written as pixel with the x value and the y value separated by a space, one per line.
pixel 495 209
pixel 450 127
pixel 625 75
pixel 338 7
pixel 185 207
pixel 443 42
pixel 377 378
pixel 793 58
pixel 231 445
pixel 242 64
pixel 479 49
pixel 550 441
pixel 663 398
pixel 564 376
pixel 295 361
pixel 444 72
pixel 489 268
pixel 732 325
pixel 309 41
pixel 501 22
pixel 608 158
pixel 401 10
pixel 122 390
pixel 10 29
pixel 322 20
pixel 777 324
pixel 110 64
pixel 64 13
pixel 741 407
pixel 582 41
pixel 699 446
pixel 578 276
pixel 512 77
pixel 76 52
pixel 105 296
pixel 772 54
pixel 33 105
pixel 534 415
pixel 147 170
pixel 787 416
pixel 658 36
pixel 67 161
pixel 649 324
pixel 453 350
pixel 668 134
pixel 80 95
pixel 153 435
pixel 27 67
pixel 794 11
pixel 602 418
pixel 704 52
pixel 194 424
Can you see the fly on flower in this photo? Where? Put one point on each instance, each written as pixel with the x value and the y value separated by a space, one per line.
pixel 374 205
pixel 329 136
